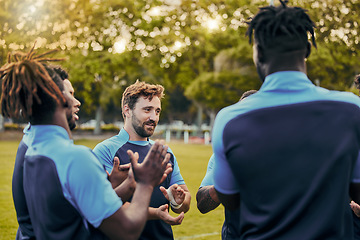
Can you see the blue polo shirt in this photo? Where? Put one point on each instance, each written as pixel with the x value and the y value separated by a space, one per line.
pixel 118 146
pixel 65 187
pixel 290 150
pixel 230 228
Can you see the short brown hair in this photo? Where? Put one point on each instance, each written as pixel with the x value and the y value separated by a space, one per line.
pixel 140 89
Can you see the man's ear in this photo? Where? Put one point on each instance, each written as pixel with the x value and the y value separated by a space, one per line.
pixel 126 110
pixel 308 49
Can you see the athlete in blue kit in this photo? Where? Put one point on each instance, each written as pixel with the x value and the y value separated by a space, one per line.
pixel 61 180
pixel 25 230
pixel 141 106
pixel 207 199
pixel 288 155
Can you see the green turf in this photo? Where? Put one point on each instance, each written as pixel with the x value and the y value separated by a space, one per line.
pixel 192 160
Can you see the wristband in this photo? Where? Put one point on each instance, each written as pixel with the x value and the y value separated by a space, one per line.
pixel 175 207
pixel 173 203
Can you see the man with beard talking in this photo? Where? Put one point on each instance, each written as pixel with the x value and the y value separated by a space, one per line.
pixel 141 107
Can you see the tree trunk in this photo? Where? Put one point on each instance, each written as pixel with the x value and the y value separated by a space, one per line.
pixel 2 121
pixel 199 119
pixel 212 115
pixel 98 118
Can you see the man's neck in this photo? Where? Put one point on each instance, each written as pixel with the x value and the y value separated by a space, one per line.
pixel 286 62
pixel 59 119
pixel 133 136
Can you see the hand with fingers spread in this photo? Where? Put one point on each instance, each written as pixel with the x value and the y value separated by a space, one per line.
pixel 151 171
pixel 175 194
pixel 163 214
pixel 118 173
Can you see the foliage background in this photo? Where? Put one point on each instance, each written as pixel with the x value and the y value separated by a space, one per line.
pixel 196 48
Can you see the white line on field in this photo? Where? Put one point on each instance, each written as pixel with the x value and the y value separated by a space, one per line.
pixel 197 236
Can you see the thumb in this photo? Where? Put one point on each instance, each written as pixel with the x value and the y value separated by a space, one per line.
pixel 164 207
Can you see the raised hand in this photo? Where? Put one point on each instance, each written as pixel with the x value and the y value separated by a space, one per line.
pixel 152 169
pixel 118 173
pixel 175 194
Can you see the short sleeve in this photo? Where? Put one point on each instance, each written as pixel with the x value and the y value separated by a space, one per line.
pixel 176 177
pixel 90 190
pixel 224 180
pixel 209 176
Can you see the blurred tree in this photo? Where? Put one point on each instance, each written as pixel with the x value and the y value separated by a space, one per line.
pixel 336 60
pixel 233 75
pixel 177 43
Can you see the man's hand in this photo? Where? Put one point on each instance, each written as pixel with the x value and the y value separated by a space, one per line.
pixel 152 169
pixel 163 214
pixel 168 170
pixel 119 173
pixel 177 193
pixel 355 207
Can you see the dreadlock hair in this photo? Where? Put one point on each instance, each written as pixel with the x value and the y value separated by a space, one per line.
pixel 30 88
pixel 140 89
pixel 281 28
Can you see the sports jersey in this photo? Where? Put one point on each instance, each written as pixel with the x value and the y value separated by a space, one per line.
pixel 25 230
pixel 290 150
pixel 118 146
pixel 230 228
pixel 62 185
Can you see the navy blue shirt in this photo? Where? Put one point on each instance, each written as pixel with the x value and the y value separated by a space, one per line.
pixel 25 230
pixel 118 146
pixel 290 151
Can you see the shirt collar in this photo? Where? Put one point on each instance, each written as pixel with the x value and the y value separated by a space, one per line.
pixel 125 135
pixel 49 132
pixel 287 80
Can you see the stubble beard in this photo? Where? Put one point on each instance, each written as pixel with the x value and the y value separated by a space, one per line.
pixel 140 128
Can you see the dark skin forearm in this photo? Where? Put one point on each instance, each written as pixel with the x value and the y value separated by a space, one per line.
pixel 207 199
pixel 126 189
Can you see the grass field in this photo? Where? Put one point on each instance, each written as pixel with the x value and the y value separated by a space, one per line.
pixel 192 160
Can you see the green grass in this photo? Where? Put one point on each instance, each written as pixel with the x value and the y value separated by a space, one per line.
pixel 192 160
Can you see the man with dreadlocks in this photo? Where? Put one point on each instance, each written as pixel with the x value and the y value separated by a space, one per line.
pixel 288 155
pixel 25 230
pixel 57 174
